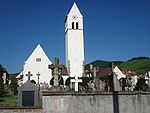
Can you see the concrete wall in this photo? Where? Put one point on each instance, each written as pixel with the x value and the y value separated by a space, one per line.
pixel 98 102
pixel 89 102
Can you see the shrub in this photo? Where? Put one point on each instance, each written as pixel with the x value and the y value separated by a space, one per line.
pixel 13 85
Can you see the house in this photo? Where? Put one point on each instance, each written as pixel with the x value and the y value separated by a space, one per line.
pixel 108 71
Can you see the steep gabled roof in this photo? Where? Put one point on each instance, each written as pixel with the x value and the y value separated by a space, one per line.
pixel 38 52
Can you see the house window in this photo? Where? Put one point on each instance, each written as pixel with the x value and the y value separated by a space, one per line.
pixel 77 25
pixel 38 59
pixel 72 25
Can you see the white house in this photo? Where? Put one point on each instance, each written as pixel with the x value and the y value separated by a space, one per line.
pixel 37 63
pixel 119 73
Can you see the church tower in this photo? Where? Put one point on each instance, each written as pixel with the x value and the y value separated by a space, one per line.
pixel 74 42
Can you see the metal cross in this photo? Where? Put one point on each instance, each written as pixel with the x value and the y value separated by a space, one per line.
pixel 29 74
pixel 38 75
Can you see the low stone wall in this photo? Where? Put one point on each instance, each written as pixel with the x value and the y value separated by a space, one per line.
pixel 88 102
pixel 96 102
pixel 20 110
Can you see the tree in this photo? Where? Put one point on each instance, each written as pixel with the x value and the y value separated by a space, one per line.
pixel 14 85
pixel 67 82
pixel 85 80
pixel 141 85
pixel 2 90
pixel 60 78
pixel 33 81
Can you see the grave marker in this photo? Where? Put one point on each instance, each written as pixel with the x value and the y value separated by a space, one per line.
pixel 76 81
pixel 29 74
pixel 28 94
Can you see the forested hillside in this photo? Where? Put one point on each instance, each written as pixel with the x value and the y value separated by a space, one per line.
pixel 103 64
pixel 138 64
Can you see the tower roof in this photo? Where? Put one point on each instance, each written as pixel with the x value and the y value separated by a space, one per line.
pixel 74 9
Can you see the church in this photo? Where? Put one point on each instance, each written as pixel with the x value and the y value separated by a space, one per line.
pixel 37 64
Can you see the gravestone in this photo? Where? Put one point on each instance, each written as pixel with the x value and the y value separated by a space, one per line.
pixel 38 77
pixel 56 72
pixel 76 81
pixel 4 78
pixel 28 94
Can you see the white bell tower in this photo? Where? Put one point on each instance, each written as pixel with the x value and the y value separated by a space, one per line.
pixel 74 42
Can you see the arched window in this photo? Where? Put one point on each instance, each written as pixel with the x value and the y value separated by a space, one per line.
pixel 72 25
pixel 77 25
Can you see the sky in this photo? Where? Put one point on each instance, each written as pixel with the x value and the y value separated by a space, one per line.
pixel 114 30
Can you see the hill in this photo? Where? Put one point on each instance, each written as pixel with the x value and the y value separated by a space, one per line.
pixel 139 65
pixel 103 64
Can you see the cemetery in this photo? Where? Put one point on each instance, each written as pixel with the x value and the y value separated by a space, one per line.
pixel 50 87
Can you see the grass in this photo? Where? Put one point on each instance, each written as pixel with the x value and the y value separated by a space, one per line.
pixel 8 100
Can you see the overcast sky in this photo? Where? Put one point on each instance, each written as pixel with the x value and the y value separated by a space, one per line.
pixel 113 29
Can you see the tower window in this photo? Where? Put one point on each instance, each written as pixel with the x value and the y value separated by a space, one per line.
pixel 77 25
pixel 72 25
pixel 38 59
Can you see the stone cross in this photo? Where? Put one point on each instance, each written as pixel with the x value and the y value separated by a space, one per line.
pixel 29 74
pixel 38 75
pixel 94 70
pixel 148 75
pixel 76 81
pixel 56 67
pixel 4 78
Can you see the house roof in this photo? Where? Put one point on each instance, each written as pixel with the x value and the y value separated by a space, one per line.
pixel 129 73
pixel 104 72
pixel 64 72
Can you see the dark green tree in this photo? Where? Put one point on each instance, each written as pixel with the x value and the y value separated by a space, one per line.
pixel 13 85
pixel 85 80
pixel 60 78
pixel 141 85
pixel 33 81
pixel 2 90
pixel 67 82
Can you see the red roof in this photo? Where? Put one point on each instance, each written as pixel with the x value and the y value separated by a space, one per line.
pixel 104 72
pixel 129 73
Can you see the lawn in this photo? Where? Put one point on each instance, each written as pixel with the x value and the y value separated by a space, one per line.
pixel 9 100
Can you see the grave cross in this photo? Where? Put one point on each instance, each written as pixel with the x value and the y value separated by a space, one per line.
pixel 76 81
pixel 94 70
pixel 56 67
pixel 38 75
pixel 148 77
pixel 29 74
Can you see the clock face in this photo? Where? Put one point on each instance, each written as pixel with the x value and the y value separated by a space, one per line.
pixel 74 16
